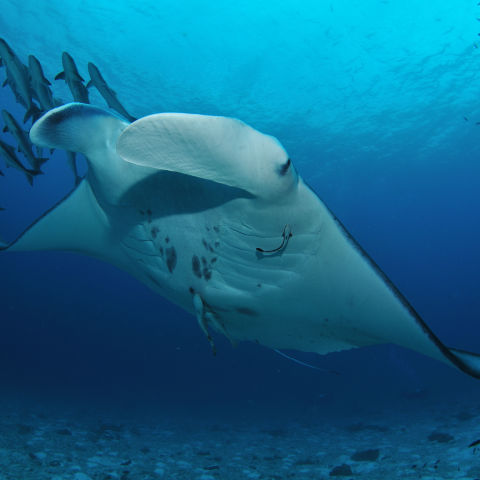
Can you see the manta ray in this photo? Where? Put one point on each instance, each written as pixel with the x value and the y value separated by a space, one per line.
pixel 212 214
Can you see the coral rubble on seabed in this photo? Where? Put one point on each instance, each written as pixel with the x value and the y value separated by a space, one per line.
pixel 429 444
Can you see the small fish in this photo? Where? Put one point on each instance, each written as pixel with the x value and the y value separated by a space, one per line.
pixel 97 81
pixel 73 166
pixel 474 444
pixel 11 160
pixel 73 79
pixel 40 85
pixel 24 144
pixel 18 79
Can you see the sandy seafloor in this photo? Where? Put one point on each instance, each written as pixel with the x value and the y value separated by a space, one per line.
pixel 418 440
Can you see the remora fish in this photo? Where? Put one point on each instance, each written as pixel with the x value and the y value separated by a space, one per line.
pixel 73 79
pixel 11 160
pixel 212 214
pixel 23 141
pixel 97 81
pixel 40 85
pixel 17 78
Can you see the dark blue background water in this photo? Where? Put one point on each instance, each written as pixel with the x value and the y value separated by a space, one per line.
pixel 403 176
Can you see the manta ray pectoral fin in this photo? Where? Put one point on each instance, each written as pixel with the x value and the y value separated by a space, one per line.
pixel 76 223
pixel 220 149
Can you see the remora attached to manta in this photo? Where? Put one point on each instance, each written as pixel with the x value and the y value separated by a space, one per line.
pixel 211 214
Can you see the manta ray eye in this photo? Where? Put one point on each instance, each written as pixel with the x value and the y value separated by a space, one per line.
pixel 284 168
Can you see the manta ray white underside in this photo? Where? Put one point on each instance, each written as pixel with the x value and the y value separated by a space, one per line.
pixel 211 214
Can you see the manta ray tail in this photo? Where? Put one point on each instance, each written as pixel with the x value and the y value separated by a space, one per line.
pixel 304 364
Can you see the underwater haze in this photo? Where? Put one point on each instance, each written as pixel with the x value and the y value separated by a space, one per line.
pixel 377 103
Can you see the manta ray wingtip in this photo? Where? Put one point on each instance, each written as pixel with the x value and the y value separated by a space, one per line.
pixel 468 362
pixel 3 244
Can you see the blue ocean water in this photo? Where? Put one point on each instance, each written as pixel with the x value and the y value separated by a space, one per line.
pixel 377 103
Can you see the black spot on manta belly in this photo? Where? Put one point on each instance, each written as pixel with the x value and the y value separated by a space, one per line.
pixel 207 245
pixel 207 273
pixel 171 255
pixel 207 269
pixel 196 266
pixel 154 232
